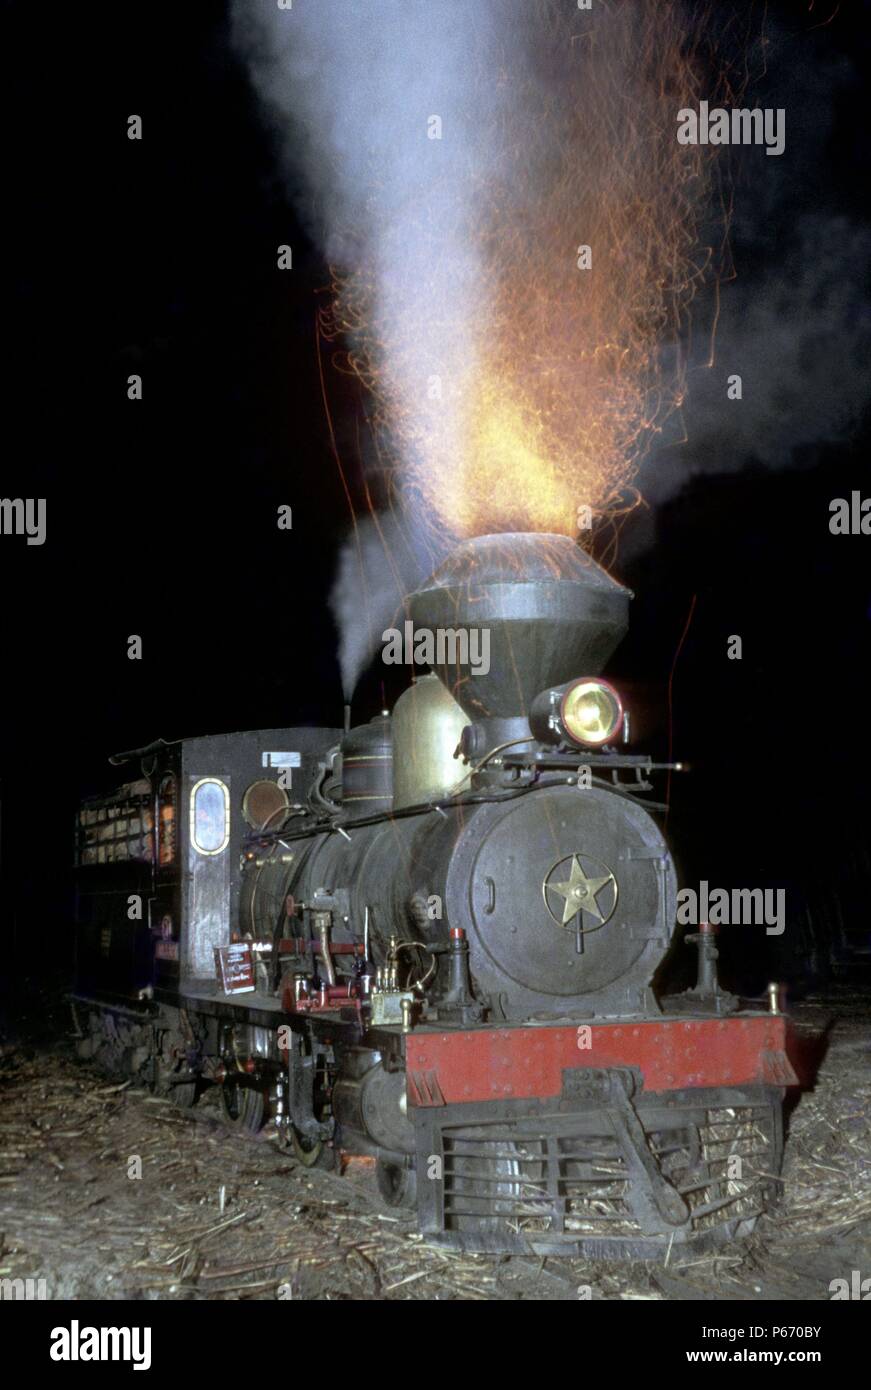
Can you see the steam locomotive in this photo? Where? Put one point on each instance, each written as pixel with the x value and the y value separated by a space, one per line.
pixel 435 938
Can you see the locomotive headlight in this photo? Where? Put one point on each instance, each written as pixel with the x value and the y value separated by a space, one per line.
pixel 586 711
pixel 591 712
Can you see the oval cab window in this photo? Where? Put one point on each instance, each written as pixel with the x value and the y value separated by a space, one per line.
pixel 210 816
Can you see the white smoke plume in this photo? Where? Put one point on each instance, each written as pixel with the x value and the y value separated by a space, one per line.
pixel 379 564
pixel 350 86
pixel 554 126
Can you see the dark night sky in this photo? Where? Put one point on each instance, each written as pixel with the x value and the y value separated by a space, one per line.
pixel 159 258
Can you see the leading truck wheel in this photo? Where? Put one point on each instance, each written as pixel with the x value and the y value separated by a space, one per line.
pixel 244 1107
pixel 397 1183
pixel 309 1151
pixel 184 1095
pixel 312 1153
pixel 160 1083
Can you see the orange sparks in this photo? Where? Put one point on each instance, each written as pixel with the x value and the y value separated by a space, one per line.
pixel 537 390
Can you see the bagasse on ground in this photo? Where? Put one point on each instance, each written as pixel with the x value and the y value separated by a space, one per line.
pixel 219 1216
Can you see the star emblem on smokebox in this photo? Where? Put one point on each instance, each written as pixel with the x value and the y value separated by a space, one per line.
pixel 579 884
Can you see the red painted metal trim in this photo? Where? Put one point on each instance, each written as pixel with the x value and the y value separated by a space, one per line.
pixel 526 1061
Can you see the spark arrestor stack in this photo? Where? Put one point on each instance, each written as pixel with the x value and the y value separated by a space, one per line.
pixel 552 613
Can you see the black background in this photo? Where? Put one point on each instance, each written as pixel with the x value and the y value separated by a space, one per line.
pixel 158 257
